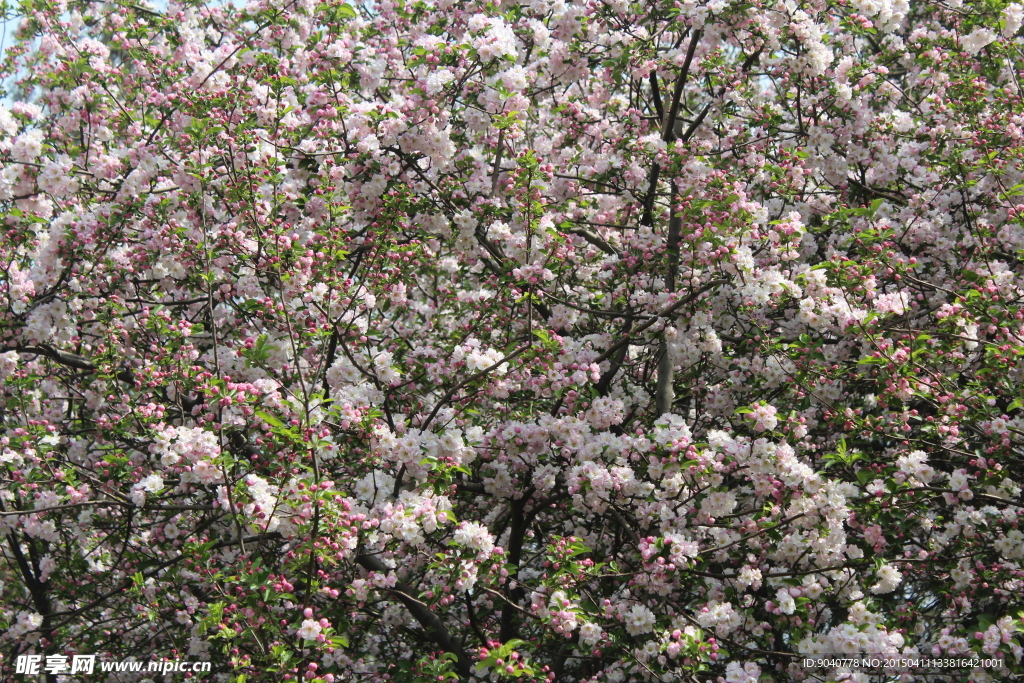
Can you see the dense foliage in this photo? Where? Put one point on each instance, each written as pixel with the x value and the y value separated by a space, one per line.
pixel 554 340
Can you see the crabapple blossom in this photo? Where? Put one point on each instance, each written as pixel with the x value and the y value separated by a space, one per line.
pixel 639 620
pixel 549 341
pixel 888 578
pixel 590 633
pixel 785 601
pixel 764 417
pixel 309 630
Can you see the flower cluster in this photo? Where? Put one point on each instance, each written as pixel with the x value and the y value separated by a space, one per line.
pixel 522 340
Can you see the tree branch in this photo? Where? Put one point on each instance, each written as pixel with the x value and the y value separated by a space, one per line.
pixel 447 397
pixel 656 96
pixel 495 173
pixel 666 312
pixel 596 240
pixel 669 125
pixel 515 548
pixel 605 382
pixel 71 360
pixel 432 625
pixel 664 391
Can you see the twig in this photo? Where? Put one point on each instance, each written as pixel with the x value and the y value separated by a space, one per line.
pixel 71 360
pixel 455 389
pixel 71 506
pixel 666 312
pixel 432 625
pixel 497 162
pixel 596 240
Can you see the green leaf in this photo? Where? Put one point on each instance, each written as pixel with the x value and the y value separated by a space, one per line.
pixel 270 419
pixel 579 549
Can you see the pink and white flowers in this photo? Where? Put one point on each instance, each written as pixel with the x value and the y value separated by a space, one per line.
pixel 546 340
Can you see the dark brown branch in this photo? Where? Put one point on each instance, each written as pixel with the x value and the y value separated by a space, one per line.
pixel 666 312
pixel 668 132
pixel 625 526
pixel 748 62
pixel 471 486
pixel 153 571
pixel 669 127
pixel 696 122
pixel 664 393
pixel 71 360
pixel 495 173
pixel 605 382
pixel 432 625
pixel 71 506
pixel 647 218
pixel 596 240
pixel 515 547
pixel 473 624
pixel 447 397
pixel 36 587
pixel 878 193
pixel 186 302
pixel 656 96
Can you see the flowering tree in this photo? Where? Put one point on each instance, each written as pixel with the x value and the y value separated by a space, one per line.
pixel 570 341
